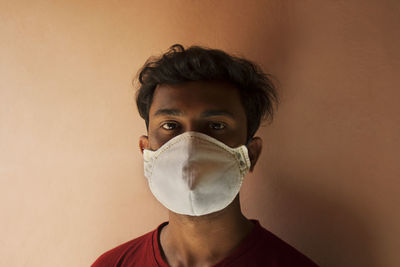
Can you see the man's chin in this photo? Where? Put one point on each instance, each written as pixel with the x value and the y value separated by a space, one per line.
pixel 232 207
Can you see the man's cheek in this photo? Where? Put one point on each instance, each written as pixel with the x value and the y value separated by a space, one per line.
pixel 157 139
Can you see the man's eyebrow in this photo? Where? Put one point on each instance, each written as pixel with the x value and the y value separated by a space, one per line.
pixel 210 113
pixel 166 111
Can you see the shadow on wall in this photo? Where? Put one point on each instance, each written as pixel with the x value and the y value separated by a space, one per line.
pixel 331 143
pixel 332 232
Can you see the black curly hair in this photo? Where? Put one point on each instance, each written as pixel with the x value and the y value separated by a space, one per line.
pixel 178 65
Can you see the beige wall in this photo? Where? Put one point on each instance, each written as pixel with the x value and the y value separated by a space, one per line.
pixel 71 183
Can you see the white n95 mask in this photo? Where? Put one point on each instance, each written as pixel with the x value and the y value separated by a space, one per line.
pixel 195 174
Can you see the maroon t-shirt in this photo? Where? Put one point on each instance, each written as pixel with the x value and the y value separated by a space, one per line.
pixel 259 248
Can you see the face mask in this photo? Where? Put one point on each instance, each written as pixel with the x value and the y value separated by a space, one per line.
pixel 195 174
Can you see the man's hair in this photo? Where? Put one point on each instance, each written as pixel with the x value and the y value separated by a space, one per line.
pixel 178 65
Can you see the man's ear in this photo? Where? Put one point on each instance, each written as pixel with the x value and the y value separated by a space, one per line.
pixel 254 147
pixel 143 142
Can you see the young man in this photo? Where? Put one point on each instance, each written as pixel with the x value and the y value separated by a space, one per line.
pixel 202 108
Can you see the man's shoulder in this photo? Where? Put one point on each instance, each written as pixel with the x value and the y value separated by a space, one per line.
pixel 137 247
pixel 271 246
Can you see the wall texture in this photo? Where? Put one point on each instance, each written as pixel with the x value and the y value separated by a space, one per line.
pixel 71 183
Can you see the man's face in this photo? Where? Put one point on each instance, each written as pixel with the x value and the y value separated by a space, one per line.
pixel 211 108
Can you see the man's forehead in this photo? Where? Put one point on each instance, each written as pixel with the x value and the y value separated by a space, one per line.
pixel 215 97
pixel 205 113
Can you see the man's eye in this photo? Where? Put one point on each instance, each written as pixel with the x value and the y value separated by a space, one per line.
pixel 169 126
pixel 217 125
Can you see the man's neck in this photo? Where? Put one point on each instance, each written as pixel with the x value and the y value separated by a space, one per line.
pixel 203 240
